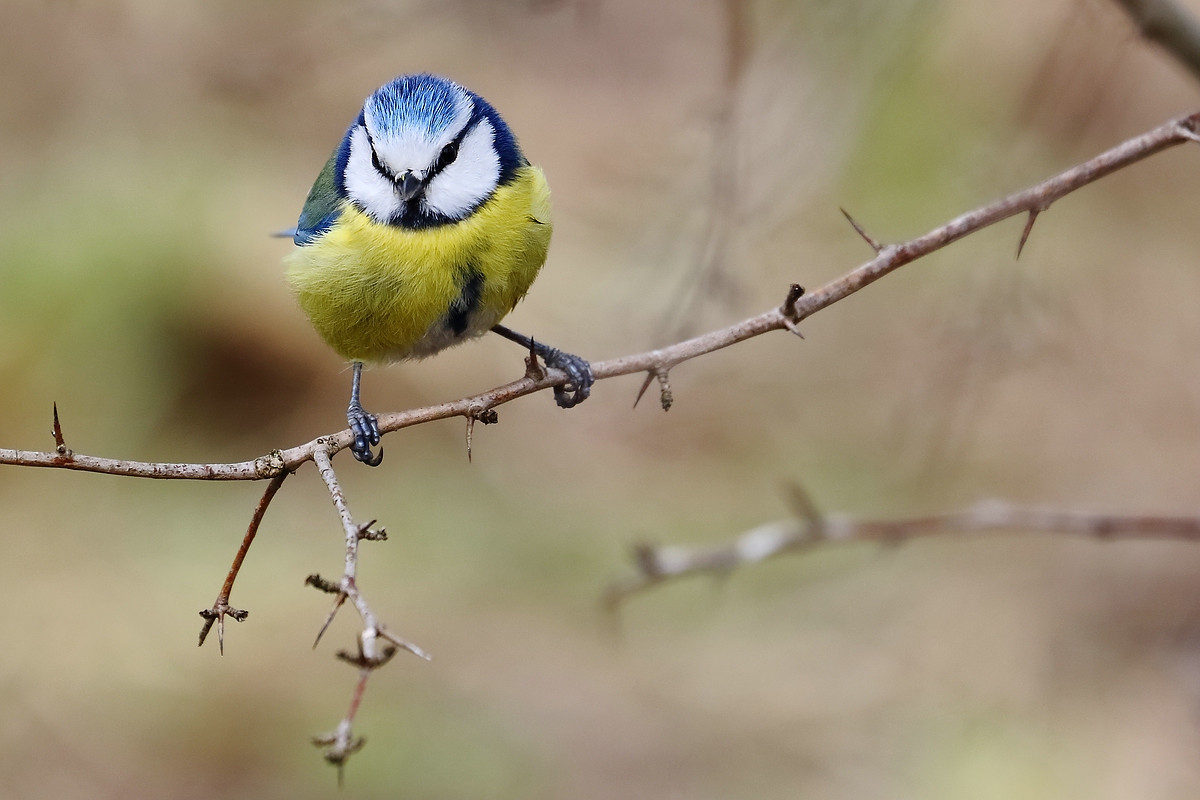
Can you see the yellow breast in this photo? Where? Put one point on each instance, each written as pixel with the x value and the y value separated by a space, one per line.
pixel 378 293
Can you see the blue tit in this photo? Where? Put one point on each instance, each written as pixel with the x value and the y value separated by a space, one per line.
pixel 423 230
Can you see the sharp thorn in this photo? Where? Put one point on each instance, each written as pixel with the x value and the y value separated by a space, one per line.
pixel 876 246
pixel 533 369
pixel 1033 215
pixel 341 598
pixel 802 503
pixel 793 327
pixel 407 645
pixel 645 385
pixel 60 444
pixel 470 430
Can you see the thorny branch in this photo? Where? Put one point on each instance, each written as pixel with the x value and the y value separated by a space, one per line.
pixel 889 258
pixel 657 364
pixel 341 743
pixel 656 565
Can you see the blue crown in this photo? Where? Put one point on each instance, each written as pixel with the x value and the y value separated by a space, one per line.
pixel 416 101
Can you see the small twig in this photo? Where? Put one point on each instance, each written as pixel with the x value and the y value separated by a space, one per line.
pixel 658 564
pixel 876 246
pixel 321 585
pixel 221 608
pixel 790 315
pixel 666 398
pixel 365 531
pixel 341 744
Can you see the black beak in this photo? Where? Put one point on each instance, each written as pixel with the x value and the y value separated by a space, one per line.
pixel 408 186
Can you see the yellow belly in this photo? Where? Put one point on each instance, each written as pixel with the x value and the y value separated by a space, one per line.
pixel 380 293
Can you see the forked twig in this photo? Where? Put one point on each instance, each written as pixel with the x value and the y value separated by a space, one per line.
pixel 340 744
pixel 220 607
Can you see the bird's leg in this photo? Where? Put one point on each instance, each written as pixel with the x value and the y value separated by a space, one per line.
pixel 579 372
pixel 364 425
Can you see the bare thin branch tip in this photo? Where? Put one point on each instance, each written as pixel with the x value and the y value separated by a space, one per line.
pixel 1188 133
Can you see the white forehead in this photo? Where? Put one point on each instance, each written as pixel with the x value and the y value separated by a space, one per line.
pixel 409 127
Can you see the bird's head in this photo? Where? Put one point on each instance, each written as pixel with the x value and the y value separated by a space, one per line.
pixel 425 151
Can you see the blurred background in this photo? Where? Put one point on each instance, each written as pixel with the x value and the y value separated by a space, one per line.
pixel 698 153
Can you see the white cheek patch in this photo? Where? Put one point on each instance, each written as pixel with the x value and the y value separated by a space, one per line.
pixel 365 186
pixel 470 179
pixel 413 147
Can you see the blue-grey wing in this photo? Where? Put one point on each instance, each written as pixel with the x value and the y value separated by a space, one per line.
pixel 322 206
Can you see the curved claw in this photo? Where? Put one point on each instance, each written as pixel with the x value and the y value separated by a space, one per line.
pixel 366 433
pixel 579 371
pixel 367 457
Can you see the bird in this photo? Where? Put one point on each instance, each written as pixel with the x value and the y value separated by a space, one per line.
pixel 424 229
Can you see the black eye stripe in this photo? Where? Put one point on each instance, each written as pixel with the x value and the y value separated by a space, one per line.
pixel 375 162
pixel 447 156
pixel 450 152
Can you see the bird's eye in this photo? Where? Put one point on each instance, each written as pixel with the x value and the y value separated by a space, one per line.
pixel 448 154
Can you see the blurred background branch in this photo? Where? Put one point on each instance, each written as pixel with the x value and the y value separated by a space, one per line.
pixel 1170 25
pixel 810 528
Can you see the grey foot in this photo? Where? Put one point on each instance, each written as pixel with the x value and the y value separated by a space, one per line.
pixel 579 372
pixel 366 433
pixel 571 394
